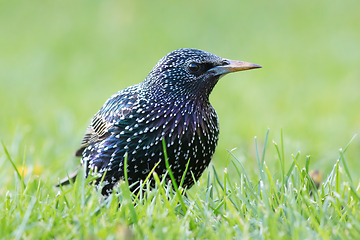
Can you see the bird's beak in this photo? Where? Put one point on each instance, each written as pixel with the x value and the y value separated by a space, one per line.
pixel 233 66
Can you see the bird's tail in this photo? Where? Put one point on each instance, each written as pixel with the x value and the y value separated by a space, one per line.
pixel 69 179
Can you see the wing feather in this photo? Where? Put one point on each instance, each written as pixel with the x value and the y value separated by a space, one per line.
pixel 114 109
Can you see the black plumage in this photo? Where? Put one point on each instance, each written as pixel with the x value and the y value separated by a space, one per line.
pixel 172 103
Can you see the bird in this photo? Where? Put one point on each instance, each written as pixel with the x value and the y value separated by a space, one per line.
pixel 172 106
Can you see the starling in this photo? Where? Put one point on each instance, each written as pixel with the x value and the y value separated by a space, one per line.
pixel 172 103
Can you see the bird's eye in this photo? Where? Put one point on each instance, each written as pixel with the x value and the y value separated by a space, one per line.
pixel 194 67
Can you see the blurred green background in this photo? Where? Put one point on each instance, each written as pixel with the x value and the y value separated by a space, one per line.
pixel 60 61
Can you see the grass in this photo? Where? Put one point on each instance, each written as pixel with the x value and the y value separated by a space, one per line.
pixel 60 60
pixel 277 205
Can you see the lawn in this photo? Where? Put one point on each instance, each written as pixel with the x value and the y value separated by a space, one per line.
pixel 60 61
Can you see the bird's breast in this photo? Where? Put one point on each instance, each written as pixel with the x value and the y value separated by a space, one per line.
pixel 190 131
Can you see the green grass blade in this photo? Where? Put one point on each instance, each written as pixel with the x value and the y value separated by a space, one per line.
pixel 344 162
pixel 25 219
pixel 13 164
pixel 184 174
pixel 183 206
pixel 264 147
pixel 307 163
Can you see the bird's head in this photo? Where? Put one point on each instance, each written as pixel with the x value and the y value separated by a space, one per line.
pixel 190 73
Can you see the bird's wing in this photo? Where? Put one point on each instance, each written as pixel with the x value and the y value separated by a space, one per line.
pixel 114 109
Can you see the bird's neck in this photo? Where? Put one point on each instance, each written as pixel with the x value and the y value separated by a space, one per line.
pixel 159 93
